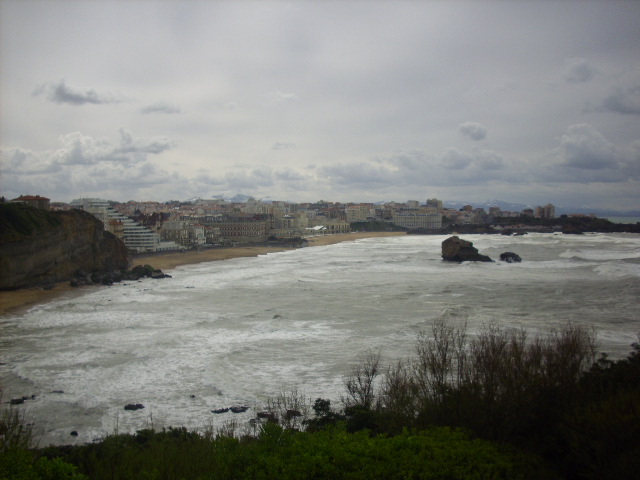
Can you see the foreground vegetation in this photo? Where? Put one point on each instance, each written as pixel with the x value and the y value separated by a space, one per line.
pixel 496 405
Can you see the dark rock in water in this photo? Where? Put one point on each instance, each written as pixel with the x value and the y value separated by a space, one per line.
pixel 134 406
pixel 57 391
pixel 510 257
pixel 220 410
pixel 239 409
pixel 454 249
pixel 159 274
pixel 140 271
pixel 74 433
pixel 17 401
pixel 267 415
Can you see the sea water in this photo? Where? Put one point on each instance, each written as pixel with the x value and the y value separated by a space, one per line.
pixel 237 332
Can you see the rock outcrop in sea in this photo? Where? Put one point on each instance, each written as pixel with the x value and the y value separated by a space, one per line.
pixel 510 257
pixel 454 249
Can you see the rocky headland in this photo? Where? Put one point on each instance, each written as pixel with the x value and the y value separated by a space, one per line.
pixel 41 248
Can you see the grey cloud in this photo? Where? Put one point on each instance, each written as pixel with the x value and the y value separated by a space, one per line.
pixel 289 175
pixel 624 101
pixel 204 178
pixel 410 160
pixel 584 147
pixel 473 130
pixel 416 168
pixel 144 174
pixel 278 97
pixel 79 154
pixel 109 180
pixel 256 177
pixel 283 146
pixel 162 108
pixel 362 175
pixel 21 161
pixel 79 149
pixel 454 159
pixel 61 93
pixel 578 70
pixel 490 160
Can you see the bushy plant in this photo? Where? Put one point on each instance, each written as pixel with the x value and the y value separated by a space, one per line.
pixel 499 383
pixel 601 434
pixel 18 459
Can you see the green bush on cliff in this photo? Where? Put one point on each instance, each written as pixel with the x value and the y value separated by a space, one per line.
pixel 19 462
pixel 18 221
pixel 277 453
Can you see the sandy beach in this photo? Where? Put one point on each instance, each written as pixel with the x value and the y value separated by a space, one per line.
pixel 10 300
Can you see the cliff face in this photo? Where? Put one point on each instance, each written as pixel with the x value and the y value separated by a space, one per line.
pixel 39 247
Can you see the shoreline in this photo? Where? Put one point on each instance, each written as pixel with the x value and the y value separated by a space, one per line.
pixel 24 297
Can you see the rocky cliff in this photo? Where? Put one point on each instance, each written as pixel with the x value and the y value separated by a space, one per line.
pixel 39 247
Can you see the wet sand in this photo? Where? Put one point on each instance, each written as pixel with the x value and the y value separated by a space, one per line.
pixel 10 300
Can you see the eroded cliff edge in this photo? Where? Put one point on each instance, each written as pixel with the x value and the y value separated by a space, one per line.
pixel 39 247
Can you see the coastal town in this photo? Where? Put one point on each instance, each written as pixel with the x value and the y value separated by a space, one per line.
pixel 148 227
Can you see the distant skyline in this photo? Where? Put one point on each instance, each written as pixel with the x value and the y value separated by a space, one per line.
pixel 530 102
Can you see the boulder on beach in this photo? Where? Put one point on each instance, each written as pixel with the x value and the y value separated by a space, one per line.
pixel 454 249
pixel 134 406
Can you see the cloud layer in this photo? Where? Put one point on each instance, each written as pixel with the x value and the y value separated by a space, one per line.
pixel 532 102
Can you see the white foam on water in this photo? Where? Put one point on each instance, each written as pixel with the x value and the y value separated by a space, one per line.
pixel 234 332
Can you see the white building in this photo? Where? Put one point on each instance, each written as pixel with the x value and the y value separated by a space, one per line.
pixel 358 213
pixel 426 221
pixel 135 236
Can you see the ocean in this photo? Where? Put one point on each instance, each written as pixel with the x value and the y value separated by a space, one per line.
pixel 237 332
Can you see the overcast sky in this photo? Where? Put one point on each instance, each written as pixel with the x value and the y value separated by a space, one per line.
pixel 529 102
